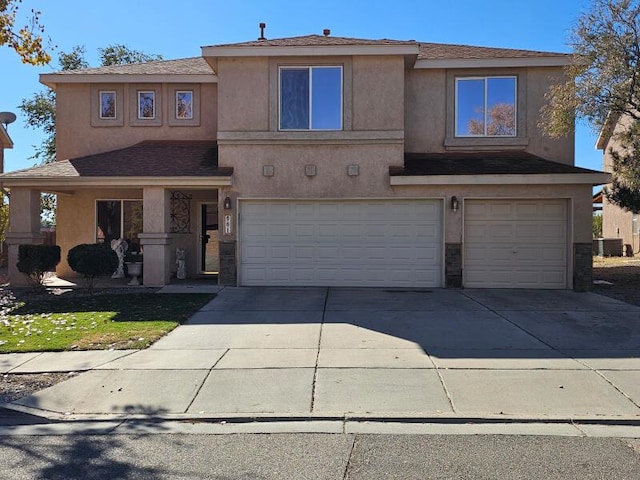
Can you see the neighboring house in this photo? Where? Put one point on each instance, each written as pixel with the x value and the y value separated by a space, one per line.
pixel 320 160
pixel 5 142
pixel 616 222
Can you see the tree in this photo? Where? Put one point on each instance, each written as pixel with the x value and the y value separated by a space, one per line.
pixel 40 109
pixel 502 121
pixel 27 41
pixel 603 88
pixel 119 54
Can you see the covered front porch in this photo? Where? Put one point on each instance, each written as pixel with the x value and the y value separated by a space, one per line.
pixel 168 214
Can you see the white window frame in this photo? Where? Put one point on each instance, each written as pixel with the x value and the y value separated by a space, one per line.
pixel 310 68
pixel 485 78
pixel 115 104
pixel 178 92
pixel 635 228
pixel 142 92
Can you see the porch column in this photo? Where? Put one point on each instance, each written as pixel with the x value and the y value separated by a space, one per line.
pixel 156 239
pixel 24 228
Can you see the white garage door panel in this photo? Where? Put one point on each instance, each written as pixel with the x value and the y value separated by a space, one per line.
pixel 351 243
pixel 515 244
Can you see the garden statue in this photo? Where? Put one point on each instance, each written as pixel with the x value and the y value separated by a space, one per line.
pixel 119 245
pixel 180 260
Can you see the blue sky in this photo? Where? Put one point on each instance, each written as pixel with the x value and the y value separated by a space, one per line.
pixel 178 29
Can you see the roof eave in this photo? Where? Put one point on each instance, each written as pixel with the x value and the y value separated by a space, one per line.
pixel 309 50
pixel 503 179
pixel 502 62
pixel 53 79
pixel 114 182
pixel 607 130
pixel 5 139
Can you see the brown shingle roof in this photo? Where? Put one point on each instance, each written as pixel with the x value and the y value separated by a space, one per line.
pixel 198 65
pixel 481 163
pixel 182 66
pixel 145 159
pixel 428 51
pixel 316 40
pixel 443 51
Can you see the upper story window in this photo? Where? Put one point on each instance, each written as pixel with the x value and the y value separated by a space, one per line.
pixel 107 104
pixel 486 107
pixel 184 104
pixel 311 98
pixel 146 105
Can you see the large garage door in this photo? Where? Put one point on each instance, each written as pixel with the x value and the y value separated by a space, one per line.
pixel 341 243
pixel 515 244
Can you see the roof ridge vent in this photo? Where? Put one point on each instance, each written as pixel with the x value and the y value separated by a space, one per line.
pixel 262 26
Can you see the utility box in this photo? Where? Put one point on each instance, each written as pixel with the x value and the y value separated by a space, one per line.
pixel 607 247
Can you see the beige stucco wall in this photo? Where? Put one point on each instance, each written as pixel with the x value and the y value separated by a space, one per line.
pixel 77 213
pixel 77 137
pixel 373 92
pixel 617 222
pixel 378 93
pixel 243 94
pixel 425 110
pixel 429 114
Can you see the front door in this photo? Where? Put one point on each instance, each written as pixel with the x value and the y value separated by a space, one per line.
pixel 209 259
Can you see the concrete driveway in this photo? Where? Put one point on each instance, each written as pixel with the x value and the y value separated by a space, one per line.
pixel 335 352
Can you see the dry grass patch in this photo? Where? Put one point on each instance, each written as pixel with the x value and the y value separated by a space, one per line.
pixel 622 273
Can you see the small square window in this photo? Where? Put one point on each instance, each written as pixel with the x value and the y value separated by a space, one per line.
pixel 486 107
pixel 311 98
pixel 107 104
pixel 147 105
pixel 184 104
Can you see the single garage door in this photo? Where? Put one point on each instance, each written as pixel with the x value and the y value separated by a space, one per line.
pixel 341 243
pixel 515 244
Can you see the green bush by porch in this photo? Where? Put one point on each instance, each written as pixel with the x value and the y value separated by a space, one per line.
pixel 36 260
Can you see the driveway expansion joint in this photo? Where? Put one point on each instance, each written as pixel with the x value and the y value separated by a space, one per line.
pixel 315 370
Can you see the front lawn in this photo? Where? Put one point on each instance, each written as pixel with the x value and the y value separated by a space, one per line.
pixel 117 321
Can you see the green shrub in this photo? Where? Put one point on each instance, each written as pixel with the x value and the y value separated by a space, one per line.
pixel 35 260
pixel 597 226
pixel 92 260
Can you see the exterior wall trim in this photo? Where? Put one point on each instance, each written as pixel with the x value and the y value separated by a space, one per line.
pixel 312 51
pixel 52 79
pixel 319 137
pixel 116 182
pixel 550 61
pixel 514 179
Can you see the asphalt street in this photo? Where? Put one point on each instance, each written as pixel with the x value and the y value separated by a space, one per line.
pixel 312 456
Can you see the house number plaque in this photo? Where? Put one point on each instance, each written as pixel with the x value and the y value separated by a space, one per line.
pixel 227 224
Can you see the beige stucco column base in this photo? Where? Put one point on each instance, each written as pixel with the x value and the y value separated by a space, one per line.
pixel 157 258
pixel 14 240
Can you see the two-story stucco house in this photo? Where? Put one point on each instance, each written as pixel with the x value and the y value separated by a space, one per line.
pixel 320 160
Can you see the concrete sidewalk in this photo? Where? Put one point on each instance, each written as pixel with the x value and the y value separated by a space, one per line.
pixel 376 354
